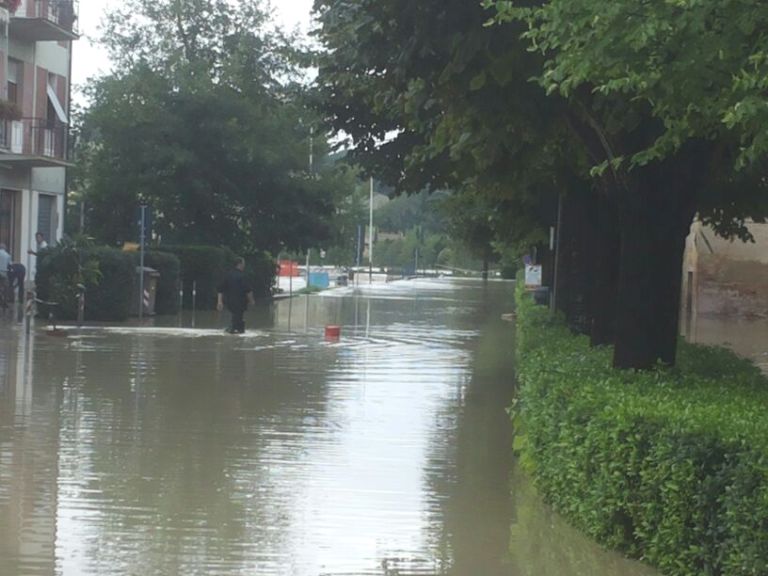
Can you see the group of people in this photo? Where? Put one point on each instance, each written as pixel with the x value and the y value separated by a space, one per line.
pixel 13 274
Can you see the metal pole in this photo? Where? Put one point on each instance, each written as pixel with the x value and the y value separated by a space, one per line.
pixel 370 236
pixel 142 233
pixel 311 149
pixel 555 276
pixel 359 251
pixel 308 252
pixel 80 305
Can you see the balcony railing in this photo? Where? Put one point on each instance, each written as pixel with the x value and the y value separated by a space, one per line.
pixel 46 20
pixel 33 140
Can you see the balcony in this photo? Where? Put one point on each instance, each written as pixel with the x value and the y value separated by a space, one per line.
pixel 33 143
pixel 45 21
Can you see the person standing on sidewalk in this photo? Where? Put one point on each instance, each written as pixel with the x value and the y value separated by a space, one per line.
pixel 236 293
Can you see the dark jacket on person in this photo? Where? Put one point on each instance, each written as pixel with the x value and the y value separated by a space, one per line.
pixel 235 289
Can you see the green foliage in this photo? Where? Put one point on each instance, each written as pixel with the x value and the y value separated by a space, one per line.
pixel 203 267
pixel 106 273
pixel 668 465
pixel 699 66
pixel 260 269
pixel 206 266
pixel 432 99
pixel 407 212
pixel 204 121
pixel 307 290
pixel 404 252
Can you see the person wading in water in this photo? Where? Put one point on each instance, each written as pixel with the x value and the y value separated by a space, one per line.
pixel 235 292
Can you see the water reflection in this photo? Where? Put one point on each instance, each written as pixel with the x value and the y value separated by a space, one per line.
pixel 171 448
pixel 543 543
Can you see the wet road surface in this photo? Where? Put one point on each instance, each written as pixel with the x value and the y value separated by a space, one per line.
pixel 173 448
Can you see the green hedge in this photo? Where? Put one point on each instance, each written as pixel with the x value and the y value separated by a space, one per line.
pixel 169 267
pixel 261 270
pixel 669 465
pixel 107 298
pixel 207 265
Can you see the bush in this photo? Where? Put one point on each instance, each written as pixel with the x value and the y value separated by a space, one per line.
pixel 207 265
pixel 669 465
pixel 260 268
pixel 169 267
pixel 108 279
pixel 204 265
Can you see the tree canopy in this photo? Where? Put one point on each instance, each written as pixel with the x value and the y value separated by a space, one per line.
pixel 626 109
pixel 204 119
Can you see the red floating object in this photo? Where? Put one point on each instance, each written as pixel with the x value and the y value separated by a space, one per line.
pixel 333 332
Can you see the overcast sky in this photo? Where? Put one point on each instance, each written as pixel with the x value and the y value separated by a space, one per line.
pixel 90 60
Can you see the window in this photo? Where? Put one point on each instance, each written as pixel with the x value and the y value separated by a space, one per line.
pixel 14 73
pixel 46 217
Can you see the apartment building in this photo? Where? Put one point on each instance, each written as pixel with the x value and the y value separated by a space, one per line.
pixel 36 39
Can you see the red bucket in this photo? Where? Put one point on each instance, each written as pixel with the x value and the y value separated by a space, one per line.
pixel 332 332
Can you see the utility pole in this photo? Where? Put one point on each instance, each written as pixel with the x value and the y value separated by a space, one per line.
pixel 311 149
pixel 370 237
pixel 142 238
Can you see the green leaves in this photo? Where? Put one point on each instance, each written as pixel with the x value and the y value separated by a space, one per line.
pixel 205 121
pixel 666 54
pixel 668 465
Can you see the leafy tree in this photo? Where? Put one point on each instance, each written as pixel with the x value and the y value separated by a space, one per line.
pixel 654 91
pixel 431 97
pixel 204 120
pixel 406 212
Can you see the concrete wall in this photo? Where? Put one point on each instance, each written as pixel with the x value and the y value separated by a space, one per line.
pixel 723 277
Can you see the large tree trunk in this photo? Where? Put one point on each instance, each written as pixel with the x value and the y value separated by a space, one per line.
pixel 572 279
pixel 655 217
pixel 587 262
pixel 604 271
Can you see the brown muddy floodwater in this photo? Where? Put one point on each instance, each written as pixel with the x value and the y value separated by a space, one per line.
pixel 174 449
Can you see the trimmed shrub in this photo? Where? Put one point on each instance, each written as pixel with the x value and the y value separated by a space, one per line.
pixel 108 290
pixel 207 265
pixel 669 465
pixel 204 265
pixel 169 267
pixel 261 268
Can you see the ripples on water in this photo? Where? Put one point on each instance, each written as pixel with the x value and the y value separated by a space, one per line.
pixel 179 450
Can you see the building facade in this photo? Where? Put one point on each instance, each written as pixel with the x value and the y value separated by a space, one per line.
pixel 724 278
pixel 36 38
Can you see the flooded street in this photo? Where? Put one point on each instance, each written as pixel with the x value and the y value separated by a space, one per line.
pixel 177 449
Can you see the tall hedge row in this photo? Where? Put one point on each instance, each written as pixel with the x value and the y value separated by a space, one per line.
pixel 108 297
pixel 670 465
pixel 207 265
